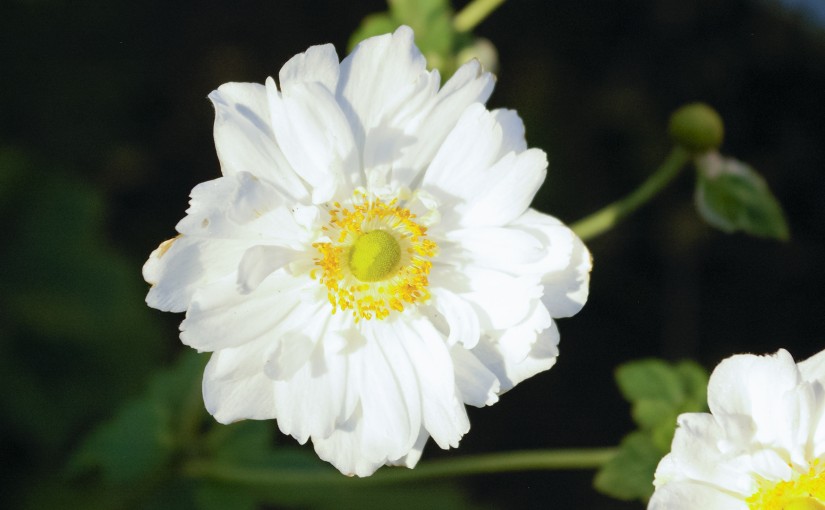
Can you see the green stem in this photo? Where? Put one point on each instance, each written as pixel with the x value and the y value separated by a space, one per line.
pixel 603 220
pixel 474 13
pixel 531 460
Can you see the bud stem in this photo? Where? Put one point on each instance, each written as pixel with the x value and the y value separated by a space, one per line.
pixel 474 13
pixel 604 219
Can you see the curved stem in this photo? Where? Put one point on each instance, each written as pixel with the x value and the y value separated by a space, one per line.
pixel 604 219
pixel 531 460
pixel 474 13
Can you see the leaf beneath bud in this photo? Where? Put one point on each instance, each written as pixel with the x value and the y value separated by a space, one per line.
pixel 732 196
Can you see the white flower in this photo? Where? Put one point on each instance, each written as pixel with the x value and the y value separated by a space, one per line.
pixel 762 447
pixel 368 262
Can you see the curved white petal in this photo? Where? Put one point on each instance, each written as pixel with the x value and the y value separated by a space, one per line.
pixel 693 496
pixel 517 358
pixel 381 75
pixel 472 173
pixel 219 316
pixel 565 267
pixel 317 64
pixel 244 139
pixel 428 130
pixel 457 315
pixel 316 138
pixel 500 300
pixel 180 266
pixel 231 399
pixel 477 385
pixel 259 262
pixel 411 459
pixel 310 377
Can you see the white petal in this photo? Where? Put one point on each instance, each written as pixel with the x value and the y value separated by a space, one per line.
pixel 220 317
pixel 755 386
pixel 310 393
pixel 486 186
pixel 259 262
pixel 181 265
pixel 444 416
pixel 500 248
pixel 241 207
pixel 459 317
pixel 412 458
pixel 244 139
pixel 500 300
pixel 508 362
pixel 694 496
pixel 477 384
pixel 565 267
pixel 436 119
pixel 230 400
pixel 813 368
pixel 316 139
pixel 343 448
pixel 317 64
pixel 380 75
pixel 510 187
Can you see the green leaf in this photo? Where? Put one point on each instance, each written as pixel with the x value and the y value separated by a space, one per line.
pixel 629 475
pixel 144 435
pixel 732 196
pixel 432 22
pixel 649 379
pixel 372 25
pixel 658 392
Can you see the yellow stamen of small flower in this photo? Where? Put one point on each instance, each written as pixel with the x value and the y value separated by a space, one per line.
pixel 805 492
pixel 378 260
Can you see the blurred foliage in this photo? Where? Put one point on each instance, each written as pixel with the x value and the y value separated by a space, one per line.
pixel 658 392
pixel 74 343
pixel 144 453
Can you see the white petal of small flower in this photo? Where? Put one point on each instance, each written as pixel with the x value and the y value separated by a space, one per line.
pixel 368 264
pixel 758 448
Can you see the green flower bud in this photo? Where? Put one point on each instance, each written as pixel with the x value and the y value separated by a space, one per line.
pixel 697 127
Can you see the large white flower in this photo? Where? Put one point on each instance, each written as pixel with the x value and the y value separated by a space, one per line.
pixel 761 448
pixel 368 262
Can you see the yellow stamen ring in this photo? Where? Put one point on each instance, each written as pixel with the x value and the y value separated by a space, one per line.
pixel 378 260
pixel 806 492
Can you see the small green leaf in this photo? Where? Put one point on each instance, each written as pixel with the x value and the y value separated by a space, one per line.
pixel 629 475
pixel 649 379
pixel 650 413
pixel 695 382
pixel 732 196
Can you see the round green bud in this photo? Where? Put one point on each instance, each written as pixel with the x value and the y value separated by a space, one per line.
pixel 374 256
pixel 697 127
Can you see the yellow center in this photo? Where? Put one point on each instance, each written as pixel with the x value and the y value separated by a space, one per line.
pixel 807 492
pixel 374 256
pixel 377 260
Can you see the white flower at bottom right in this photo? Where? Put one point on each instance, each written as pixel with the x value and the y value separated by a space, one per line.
pixel 761 447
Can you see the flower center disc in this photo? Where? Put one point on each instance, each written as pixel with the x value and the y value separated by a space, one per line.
pixel 374 256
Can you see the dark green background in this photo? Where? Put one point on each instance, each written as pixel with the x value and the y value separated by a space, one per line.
pixel 105 127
